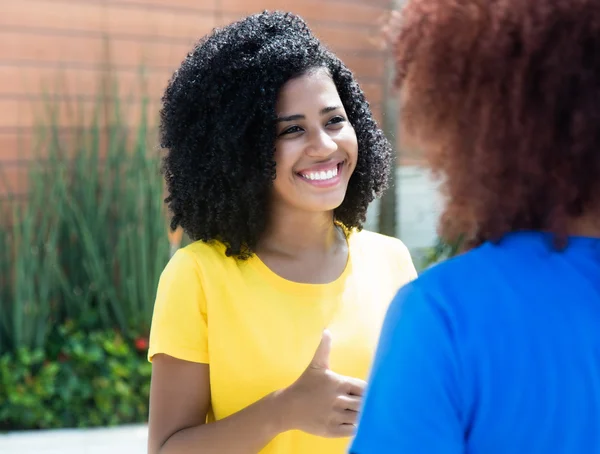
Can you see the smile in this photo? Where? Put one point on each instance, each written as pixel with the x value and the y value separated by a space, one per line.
pixel 323 176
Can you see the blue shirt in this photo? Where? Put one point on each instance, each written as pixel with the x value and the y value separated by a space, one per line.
pixel 496 351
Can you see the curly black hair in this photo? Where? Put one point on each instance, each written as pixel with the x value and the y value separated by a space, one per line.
pixel 218 125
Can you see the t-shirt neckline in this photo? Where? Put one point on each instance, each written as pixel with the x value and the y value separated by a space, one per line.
pixel 301 288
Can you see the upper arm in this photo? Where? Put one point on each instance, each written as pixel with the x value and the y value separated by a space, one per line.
pixel 180 321
pixel 179 398
pixel 413 400
pixel 180 387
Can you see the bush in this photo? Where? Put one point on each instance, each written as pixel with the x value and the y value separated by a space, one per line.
pixel 80 261
pixel 91 241
pixel 81 380
pixel 441 251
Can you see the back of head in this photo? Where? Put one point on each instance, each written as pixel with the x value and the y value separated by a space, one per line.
pixel 218 124
pixel 503 97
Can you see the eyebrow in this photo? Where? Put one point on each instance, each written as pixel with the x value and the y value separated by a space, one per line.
pixel 295 117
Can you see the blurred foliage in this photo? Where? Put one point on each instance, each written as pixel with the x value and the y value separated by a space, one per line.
pixel 80 260
pixel 441 251
pixel 81 379
pixel 91 241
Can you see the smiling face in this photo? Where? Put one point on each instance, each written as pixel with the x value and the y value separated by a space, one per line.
pixel 316 147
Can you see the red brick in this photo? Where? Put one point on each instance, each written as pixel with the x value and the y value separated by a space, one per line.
pixel 90 50
pixel 112 18
pixel 67 113
pixel 35 81
pixel 13 179
pixel 356 13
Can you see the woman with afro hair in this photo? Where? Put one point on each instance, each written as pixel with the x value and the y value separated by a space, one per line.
pixel 497 351
pixel 264 328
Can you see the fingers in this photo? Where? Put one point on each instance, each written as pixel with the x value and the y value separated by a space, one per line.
pixel 343 423
pixel 350 418
pixel 349 403
pixel 343 430
pixel 346 417
pixel 355 386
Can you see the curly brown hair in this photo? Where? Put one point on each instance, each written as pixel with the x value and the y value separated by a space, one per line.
pixel 503 98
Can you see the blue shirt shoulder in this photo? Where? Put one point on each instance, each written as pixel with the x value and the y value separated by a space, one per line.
pixel 494 351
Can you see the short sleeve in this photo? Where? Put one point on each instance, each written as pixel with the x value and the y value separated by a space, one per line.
pixel 179 322
pixel 413 399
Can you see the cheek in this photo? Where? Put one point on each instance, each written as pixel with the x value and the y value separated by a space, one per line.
pixel 284 160
pixel 350 144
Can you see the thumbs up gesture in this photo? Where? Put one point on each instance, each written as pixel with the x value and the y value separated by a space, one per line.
pixel 322 402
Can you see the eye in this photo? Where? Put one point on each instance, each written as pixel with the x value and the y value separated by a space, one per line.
pixel 336 120
pixel 290 130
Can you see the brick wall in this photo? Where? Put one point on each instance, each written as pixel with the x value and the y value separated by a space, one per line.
pixel 63 46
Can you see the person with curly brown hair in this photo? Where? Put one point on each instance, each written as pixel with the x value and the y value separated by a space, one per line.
pixel 497 350
pixel 265 326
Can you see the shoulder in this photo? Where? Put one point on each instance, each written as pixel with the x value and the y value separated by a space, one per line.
pixel 465 287
pixel 197 259
pixel 385 251
pixel 190 275
pixel 451 275
pixel 377 243
pixel 202 252
pixel 462 272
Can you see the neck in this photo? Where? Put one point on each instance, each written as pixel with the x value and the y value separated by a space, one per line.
pixel 295 233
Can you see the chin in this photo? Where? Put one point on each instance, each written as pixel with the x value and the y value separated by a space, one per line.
pixel 325 205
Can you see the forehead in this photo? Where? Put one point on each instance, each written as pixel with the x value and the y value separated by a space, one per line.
pixel 314 89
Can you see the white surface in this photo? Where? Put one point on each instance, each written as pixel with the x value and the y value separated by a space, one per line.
pixel 118 440
pixel 418 208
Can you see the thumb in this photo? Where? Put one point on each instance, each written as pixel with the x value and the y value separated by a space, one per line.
pixel 321 358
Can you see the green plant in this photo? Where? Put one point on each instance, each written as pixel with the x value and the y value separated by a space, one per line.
pixel 81 380
pixel 29 272
pixel 91 240
pixel 441 251
pixel 27 382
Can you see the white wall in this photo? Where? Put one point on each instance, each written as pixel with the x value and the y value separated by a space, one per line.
pixel 418 208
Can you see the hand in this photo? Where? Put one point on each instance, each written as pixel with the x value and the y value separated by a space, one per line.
pixel 322 402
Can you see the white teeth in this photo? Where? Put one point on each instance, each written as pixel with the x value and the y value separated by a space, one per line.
pixel 322 175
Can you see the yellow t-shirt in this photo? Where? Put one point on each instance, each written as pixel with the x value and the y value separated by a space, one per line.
pixel 259 331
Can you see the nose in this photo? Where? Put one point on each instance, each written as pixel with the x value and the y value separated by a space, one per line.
pixel 321 144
